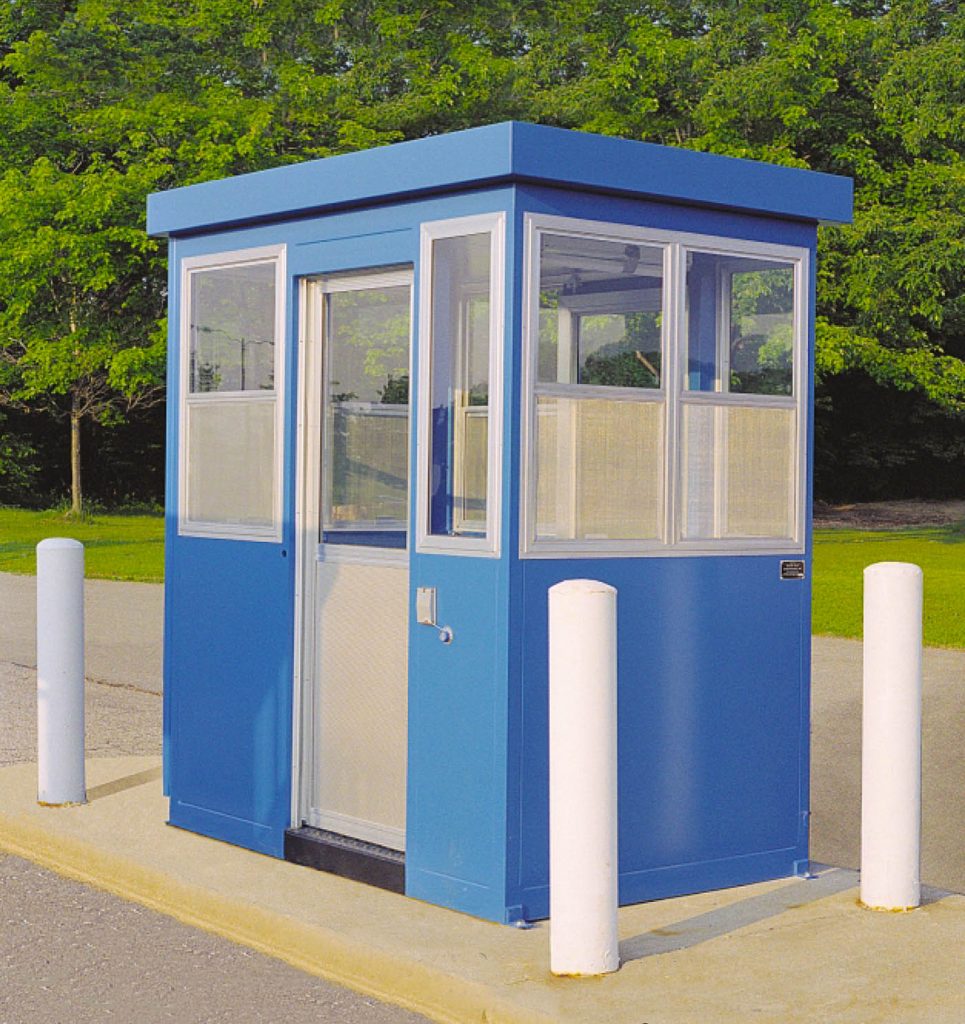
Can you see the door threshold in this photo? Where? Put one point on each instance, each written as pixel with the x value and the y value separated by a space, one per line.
pixel 342 855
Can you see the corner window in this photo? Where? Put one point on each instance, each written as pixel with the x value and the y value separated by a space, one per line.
pixel 740 325
pixel 460 362
pixel 663 410
pixel 739 471
pixel 231 340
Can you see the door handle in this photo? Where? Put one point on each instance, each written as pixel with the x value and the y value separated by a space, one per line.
pixel 425 612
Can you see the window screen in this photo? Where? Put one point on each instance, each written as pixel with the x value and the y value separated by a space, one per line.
pixel 231 358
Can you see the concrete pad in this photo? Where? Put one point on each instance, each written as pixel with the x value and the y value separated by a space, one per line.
pixel 783 952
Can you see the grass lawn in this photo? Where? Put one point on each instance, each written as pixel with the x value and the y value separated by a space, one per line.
pixel 840 557
pixel 132 548
pixel 115 547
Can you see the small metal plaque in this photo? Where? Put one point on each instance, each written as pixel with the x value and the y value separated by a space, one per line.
pixel 792 570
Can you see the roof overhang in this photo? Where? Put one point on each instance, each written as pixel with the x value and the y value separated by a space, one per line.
pixel 506 153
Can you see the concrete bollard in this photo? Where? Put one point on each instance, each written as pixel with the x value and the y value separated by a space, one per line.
pixel 60 672
pixel 891 737
pixel 583 778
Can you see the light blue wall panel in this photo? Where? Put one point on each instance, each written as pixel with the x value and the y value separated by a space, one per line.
pixel 713 677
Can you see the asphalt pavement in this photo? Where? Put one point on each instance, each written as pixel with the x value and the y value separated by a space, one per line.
pixel 73 954
pixel 123 624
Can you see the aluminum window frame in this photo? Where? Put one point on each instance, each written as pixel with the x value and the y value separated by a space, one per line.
pixel 191 265
pixel 493 224
pixel 673 391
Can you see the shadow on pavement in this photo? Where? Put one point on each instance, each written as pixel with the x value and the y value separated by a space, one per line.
pixel 694 930
pixel 128 782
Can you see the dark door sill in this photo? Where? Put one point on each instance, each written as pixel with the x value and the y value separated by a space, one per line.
pixel 350 858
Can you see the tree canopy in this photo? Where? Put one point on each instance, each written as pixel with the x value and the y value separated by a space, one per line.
pixel 104 101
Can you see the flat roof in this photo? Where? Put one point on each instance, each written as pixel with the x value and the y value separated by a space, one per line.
pixel 506 153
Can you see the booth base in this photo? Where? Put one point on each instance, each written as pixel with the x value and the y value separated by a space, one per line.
pixel 350 858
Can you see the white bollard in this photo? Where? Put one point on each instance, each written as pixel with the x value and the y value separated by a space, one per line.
pixel 891 737
pixel 583 778
pixel 60 672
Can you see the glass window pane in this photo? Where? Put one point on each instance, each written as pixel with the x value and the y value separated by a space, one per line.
pixel 738 469
pixel 598 469
pixel 231 462
pixel 367 423
pixel 601 312
pixel 459 389
pixel 232 328
pixel 740 325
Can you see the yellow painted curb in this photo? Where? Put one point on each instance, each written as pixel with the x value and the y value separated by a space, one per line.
pixel 317 951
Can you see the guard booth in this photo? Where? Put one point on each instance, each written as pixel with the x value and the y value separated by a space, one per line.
pixel 412 388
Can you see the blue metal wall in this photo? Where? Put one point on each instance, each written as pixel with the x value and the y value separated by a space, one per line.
pixel 713 671
pixel 713 650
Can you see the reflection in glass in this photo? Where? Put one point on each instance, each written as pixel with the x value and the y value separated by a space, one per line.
pixel 600 312
pixel 367 386
pixel 740 325
pixel 459 384
pixel 232 325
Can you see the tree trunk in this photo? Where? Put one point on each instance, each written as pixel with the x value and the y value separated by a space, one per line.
pixel 76 495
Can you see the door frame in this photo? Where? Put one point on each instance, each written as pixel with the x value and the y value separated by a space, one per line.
pixel 311 292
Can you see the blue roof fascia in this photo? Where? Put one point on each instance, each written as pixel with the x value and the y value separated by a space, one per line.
pixel 437 163
pixel 608 164
pixel 500 153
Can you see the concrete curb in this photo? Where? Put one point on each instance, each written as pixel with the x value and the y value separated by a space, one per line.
pixel 784 952
pixel 323 953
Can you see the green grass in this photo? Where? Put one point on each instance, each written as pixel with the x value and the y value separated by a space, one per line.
pixel 840 557
pixel 116 547
pixel 122 547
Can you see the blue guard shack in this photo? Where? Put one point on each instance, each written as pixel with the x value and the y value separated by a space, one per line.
pixel 412 388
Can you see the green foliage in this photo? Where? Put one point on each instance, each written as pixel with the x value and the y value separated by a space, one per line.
pixel 18 468
pixel 104 101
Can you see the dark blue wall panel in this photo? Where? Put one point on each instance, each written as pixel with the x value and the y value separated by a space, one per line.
pixel 711 675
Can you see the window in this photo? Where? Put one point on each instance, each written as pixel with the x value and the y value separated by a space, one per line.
pixel 460 359
pixel 600 410
pixel 366 451
pixel 664 406
pixel 739 468
pixel 740 325
pixel 231 331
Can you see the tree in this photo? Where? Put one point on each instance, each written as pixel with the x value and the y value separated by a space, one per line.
pixel 102 101
pixel 89 126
